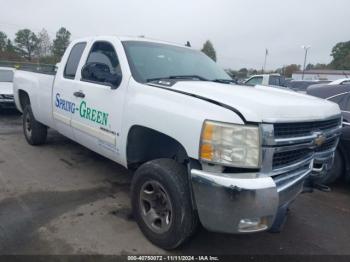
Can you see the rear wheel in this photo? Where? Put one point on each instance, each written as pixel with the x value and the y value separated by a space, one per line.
pixel 34 132
pixel 162 204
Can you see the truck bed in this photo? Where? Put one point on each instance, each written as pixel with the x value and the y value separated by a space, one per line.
pixel 38 85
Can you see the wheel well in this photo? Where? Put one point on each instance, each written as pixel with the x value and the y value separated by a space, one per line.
pixel 145 144
pixel 346 166
pixel 23 99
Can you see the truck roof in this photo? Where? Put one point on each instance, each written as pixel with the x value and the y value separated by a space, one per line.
pixel 129 38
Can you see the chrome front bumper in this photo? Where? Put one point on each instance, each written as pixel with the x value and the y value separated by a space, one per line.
pixel 242 203
pixel 252 202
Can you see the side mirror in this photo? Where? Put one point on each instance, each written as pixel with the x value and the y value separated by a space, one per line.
pixel 100 73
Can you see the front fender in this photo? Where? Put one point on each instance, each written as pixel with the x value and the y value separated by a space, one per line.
pixel 176 115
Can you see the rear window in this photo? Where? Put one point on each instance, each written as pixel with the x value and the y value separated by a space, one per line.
pixel 6 76
pixel 73 60
pixel 257 80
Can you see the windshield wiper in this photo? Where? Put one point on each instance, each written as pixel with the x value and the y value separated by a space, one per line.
pixel 178 77
pixel 224 81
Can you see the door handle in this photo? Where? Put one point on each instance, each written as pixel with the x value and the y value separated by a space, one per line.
pixel 79 94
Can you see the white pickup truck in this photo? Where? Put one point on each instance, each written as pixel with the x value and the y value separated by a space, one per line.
pixel 230 157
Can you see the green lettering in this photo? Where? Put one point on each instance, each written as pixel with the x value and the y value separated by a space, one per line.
pixel 88 111
pixel 104 119
pixel 82 109
pixel 99 114
pixel 93 115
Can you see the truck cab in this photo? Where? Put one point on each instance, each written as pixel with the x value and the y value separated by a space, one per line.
pixel 266 80
pixel 203 150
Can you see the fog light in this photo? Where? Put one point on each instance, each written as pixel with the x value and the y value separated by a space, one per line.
pixel 252 224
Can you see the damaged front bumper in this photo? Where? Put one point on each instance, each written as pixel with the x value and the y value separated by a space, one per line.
pixel 242 203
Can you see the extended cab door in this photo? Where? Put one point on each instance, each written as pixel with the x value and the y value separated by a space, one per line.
pixel 99 97
pixel 64 106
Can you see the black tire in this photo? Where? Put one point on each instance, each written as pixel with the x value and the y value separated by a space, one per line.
pixel 336 172
pixel 171 179
pixel 34 132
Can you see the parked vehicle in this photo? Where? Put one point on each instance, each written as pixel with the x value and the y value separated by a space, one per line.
pixel 266 80
pixel 6 88
pixel 232 157
pixel 339 94
pixel 343 81
pixel 301 85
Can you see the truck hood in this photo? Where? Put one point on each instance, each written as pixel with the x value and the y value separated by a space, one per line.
pixel 262 103
pixel 6 88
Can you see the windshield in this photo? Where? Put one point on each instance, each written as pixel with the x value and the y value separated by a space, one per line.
pixel 149 61
pixel 6 76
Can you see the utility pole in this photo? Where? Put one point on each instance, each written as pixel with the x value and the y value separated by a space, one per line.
pixel 266 54
pixel 306 48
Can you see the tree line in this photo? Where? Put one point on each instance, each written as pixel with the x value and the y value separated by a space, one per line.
pixel 340 53
pixel 28 46
pixel 32 47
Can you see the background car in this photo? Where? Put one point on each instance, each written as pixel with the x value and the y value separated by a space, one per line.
pixel 266 80
pixel 339 94
pixel 302 85
pixel 6 88
pixel 342 81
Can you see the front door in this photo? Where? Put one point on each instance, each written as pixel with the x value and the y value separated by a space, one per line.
pixel 99 97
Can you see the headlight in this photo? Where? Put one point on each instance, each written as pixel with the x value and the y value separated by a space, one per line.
pixel 231 145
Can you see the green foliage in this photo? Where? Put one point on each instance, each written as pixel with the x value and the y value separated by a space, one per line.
pixel 341 56
pixel 3 41
pixel 10 47
pixel 61 42
pixel 209 50
pixel 26 43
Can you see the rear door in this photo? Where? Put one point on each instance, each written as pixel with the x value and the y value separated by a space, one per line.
pixel 99 103
pixel 64 106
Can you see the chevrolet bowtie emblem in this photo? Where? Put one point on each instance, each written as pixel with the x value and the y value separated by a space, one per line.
pixel 319 140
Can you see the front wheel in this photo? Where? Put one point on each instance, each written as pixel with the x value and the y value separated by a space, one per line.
pixel 34 132
pixel 161 203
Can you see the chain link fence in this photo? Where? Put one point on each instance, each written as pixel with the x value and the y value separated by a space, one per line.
pixel 33 67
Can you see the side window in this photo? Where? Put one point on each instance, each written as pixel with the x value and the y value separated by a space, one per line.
pixel 255 81
pixel 102 65
pixel 274 81
pixel 343 101
pixel 73 60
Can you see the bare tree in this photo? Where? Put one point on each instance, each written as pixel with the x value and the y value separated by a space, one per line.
pixel 44 45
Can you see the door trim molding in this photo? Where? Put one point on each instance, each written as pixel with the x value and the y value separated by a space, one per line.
pixel 94 131
pixel 61 117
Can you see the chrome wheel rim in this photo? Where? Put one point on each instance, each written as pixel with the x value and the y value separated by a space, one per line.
pixel 156 208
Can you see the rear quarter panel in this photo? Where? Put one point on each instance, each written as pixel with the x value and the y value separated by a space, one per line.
pixel 39 89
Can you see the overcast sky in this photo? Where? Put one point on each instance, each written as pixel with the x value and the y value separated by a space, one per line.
pixel 239 29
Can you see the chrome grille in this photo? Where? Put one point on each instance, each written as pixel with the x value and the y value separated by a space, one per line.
pixel 291 149
pixel 330 144
pixel 283 130
pixel 286 158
